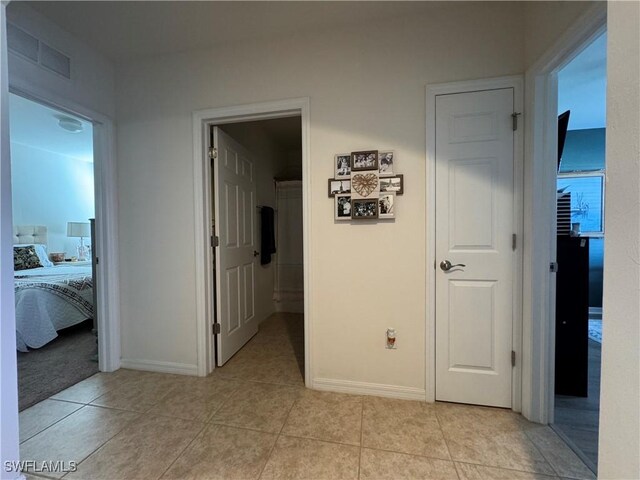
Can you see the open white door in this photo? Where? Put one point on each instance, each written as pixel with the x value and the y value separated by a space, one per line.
pixel 235 220
pixel 474 228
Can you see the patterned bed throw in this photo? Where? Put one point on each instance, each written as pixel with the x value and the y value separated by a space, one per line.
pixel 76 290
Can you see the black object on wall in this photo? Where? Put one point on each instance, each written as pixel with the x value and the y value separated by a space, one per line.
pixel 572 317
pixel 267 234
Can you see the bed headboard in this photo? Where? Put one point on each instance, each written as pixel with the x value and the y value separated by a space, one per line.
pixel 29 234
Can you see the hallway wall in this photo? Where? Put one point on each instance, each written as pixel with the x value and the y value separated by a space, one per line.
pixel 366 88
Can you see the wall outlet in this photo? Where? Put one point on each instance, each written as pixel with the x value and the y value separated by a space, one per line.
pixel 391 338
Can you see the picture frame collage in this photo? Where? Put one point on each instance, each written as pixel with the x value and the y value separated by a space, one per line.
pixel 365 185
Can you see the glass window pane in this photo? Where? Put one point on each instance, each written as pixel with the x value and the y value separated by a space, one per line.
pixel 586 201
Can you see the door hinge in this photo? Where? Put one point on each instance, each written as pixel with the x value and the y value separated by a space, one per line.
pixel 553 267
pixel 513 241
pixel 213 153
pixel 513 358
pixel 215 241
pixel 215 328
pixel 514 117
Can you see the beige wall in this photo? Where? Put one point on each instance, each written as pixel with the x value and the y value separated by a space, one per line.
pixel 367 90
pixel 619 455
pixel 546 21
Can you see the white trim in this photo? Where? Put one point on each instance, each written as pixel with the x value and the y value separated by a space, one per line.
pixel 106 213
pixel 202 205
pixel 364 388
pixel 162 367
pixel 538 355
pixel 515 82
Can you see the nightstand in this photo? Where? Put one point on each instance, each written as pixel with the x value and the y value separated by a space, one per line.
pixel 77 263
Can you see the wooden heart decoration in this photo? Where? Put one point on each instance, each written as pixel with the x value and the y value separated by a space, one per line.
pixel 364 183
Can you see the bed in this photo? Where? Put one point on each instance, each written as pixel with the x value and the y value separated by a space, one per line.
pixel 48 298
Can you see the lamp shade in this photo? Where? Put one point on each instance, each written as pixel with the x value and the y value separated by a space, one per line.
pixel 78 229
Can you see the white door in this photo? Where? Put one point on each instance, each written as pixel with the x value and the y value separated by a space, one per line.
pixel 474 228
pixel 235 220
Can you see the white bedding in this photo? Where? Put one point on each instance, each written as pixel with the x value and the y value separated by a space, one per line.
pixel 49 299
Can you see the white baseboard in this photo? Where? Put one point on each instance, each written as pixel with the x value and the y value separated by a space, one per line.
pixel 364 388
pixel 162 367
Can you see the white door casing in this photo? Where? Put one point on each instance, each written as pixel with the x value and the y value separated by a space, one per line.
pixel 474 178
pixel 235 227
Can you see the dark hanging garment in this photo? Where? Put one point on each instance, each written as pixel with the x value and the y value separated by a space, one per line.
pixel 268 232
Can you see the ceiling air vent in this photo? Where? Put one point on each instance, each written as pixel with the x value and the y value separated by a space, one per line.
pixel 55 61
pixel 22 43
pixel 31 48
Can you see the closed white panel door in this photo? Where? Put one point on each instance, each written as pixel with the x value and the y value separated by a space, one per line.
pixel 235 207
pixel 474 256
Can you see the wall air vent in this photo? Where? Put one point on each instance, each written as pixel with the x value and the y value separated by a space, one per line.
pixel 55 61
pixel 35 50
pixel 22 43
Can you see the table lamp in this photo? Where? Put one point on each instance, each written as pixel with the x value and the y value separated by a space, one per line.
pixel 79 230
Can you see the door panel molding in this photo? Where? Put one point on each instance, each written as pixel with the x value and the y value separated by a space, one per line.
pixel 432 91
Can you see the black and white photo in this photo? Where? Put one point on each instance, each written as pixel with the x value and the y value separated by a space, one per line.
pixel 386 205
pixel 343 206
pixel 385 159
pixel 339 186
pixel 364 209
pixel 392 184
pixel 364 160
pixel 343 165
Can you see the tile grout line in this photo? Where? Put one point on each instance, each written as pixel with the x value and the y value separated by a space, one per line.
pixel 549 475
pixel 273 447
pixel 444 437
pixel 54 423
pixel 553 467
pixel 204 426
pixel 102 444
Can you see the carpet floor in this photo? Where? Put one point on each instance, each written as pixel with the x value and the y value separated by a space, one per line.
pixel 67 360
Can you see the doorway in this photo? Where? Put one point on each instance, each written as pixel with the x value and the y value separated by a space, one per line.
pixel 257 221
pixel 580 248
pixel 475 173
pixel 53 203
pixel 267 187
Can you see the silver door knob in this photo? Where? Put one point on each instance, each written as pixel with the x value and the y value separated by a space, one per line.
pixel 446 265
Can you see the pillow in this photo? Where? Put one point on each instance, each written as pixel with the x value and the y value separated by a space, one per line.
pixel 25 258
pixel 41 251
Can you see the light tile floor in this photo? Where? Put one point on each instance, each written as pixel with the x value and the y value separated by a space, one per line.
pixel 253 418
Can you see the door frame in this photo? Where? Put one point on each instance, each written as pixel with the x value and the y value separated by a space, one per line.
pixel 517 83
pixel 541 95
pixel 106 214
pixel 202 120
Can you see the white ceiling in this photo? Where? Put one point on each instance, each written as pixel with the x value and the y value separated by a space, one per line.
pixel 124 30
pixel 37 125
pixel 582 87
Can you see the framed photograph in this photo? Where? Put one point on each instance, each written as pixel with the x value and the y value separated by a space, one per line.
pixel 343 165
pixel 393 184
pixel 387 205
pixel 365 209
pixel 385 160
pixel 339 186
pixel 365 185
pixel 343 206
pixel 364 160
